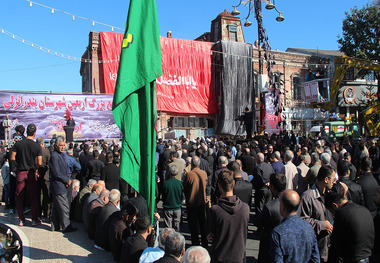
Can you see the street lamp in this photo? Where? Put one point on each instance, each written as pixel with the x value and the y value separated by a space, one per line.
pixel 262 39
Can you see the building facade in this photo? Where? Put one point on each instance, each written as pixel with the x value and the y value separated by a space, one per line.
pixel 290 70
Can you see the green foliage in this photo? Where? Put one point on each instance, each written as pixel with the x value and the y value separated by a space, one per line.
pixel 361 32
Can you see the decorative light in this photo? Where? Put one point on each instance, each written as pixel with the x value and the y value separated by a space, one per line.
pixel 235 12
pixel 112 29
pixel 30 4
pixel 2 31
pixel 73 18
pixel 52 11
pixel 93 23
pixel 270 5
pixel 247 23
pixel 280 18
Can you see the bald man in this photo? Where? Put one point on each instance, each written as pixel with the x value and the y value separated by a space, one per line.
pixel 294 239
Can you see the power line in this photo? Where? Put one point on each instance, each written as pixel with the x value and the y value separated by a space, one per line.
pixel 50 66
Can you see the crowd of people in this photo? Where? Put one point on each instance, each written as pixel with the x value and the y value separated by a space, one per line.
pixel 312 200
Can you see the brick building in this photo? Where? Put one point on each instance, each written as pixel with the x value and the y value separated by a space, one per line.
pixel 290 71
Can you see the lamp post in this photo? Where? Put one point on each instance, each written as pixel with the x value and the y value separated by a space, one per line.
pixel 263 43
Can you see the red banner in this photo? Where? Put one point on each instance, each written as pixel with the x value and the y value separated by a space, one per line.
pixel 186 84
pixel 110 44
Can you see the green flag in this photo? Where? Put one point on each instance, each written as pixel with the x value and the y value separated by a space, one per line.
pixel 134 101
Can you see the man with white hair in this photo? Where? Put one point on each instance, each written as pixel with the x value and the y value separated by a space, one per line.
pixel 222 165
pixel 314 168
pixel 290 171
pixel 75 187
pixel 105 217
pixel 260 182
pixel 152 254
pixel 331 160
pixel 196 254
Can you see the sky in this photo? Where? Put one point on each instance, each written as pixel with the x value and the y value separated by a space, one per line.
pixel 307 24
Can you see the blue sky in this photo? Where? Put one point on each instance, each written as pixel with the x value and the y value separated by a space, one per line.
pixel 308 24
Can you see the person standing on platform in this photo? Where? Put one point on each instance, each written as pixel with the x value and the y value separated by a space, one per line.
pixel 248 122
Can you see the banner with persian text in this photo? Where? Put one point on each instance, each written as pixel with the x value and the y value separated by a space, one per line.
pixel 186 84
pixel 92 113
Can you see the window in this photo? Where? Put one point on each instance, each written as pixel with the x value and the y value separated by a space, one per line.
pixel 232 32
pixel 216 32
pixel 297 88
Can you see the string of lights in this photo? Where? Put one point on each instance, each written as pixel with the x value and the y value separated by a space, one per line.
pixel 73 16
pixel 70 57
pixel 51 51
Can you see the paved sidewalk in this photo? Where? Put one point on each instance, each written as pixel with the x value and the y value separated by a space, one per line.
pixel 47 246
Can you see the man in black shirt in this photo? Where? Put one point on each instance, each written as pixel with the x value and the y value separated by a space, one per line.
pixel 95 167
pixel 248 162
pixel 111 173
pixel 369 185
pixel 355 193
pixel 353 236
pixel 28 156
pixel 270 217
pixel 134 245
pixel 242 188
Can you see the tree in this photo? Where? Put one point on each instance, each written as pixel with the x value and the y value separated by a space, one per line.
pixel 361 32
pixel 361 35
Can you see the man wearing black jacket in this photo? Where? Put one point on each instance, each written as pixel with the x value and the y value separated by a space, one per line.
pixel 353 236
pixel 248 162
pixel 369 185
pixel 270 217
pixel 111 173
pixel 355 193
pixel 242 188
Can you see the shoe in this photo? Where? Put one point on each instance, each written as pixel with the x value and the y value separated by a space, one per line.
pixel 53 228
pixel 11 211
pixel 69 229
pixel 21 222
pixel 36 222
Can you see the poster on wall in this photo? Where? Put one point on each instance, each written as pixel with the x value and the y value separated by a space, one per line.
pixel 92 113
pixel 272 116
